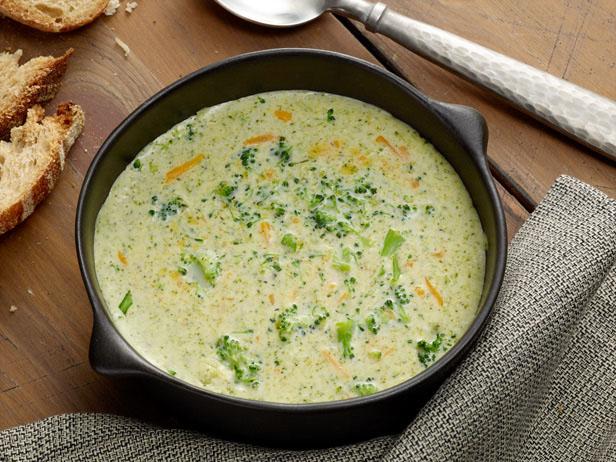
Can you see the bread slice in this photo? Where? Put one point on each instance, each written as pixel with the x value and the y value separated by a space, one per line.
pixel 23 86
pixel 53 15
pixel 32 161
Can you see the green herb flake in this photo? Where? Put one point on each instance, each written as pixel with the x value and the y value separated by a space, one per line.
pixel 137 164
pixel 126 302
pixel 330 115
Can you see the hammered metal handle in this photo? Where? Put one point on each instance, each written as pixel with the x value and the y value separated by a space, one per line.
pixel 586 116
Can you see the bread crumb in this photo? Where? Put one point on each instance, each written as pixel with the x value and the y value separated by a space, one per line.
pixel 130 6
pixel 124 46
pixel 112 7
pixel 12 309
pixel 30 292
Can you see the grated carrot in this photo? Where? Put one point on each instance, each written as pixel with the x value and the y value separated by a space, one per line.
pixel 258 139
pixel 271 298
pixel 180 169
pixel 265 229
pixel 387 351
pixel 122 258
pixel 285 116
pixel 400 151
pixel 317 150
pixel 343 297
pixel 414 183
pixel 409 263
pixel 334 362
pixel 434 292
pixel 269 174
pixel 439 254
pixel 420 292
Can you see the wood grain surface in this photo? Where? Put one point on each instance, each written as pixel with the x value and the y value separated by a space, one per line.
pixel 572 39
pixel 44 368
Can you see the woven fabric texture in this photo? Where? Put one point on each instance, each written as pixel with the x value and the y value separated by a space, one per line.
pixel 540 384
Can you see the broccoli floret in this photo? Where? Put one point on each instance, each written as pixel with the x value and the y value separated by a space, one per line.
pixel 373 323
pixel 225 190
pixel 402 295
pixel 365 388
pixel 247 156
pixel 285 323
pixel 289 320
pixel 426 351
pixel 234 355
pixel 344 333
pixel 376 319
pixel 320 314
pixel 171 208
pixel 316 200
pixel 208 268
pixel 290 241
pixel 323 219
pixel 282 150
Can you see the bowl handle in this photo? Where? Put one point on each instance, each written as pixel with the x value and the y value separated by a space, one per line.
pixel 468 124
pixel 109 353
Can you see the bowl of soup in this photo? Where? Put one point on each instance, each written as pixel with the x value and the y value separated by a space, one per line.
pixel 293 247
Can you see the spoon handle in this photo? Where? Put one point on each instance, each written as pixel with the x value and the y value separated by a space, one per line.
pixel 579 113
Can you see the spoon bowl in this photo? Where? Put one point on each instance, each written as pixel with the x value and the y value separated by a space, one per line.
pixel 275 13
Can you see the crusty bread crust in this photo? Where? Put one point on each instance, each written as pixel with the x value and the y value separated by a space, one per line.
pixel 66 124
pixel 41 87
pixel 26 12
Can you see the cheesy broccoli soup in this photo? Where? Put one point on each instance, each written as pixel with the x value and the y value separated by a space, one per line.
pixel 291 247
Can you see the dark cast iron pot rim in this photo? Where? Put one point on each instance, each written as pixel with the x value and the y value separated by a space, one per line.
pixel 143 368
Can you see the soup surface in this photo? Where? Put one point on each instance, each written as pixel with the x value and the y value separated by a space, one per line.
pixel 290 247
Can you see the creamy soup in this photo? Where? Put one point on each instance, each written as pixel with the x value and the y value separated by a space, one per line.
pixel 291 247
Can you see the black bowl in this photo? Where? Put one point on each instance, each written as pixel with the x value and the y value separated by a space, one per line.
pixel 458 132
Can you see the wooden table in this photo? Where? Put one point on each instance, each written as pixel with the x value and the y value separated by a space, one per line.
pixel 44 367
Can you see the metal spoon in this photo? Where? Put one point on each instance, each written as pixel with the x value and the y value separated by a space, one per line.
pixel 575 111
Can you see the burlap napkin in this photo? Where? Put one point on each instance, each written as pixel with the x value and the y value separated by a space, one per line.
pixel 539 385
